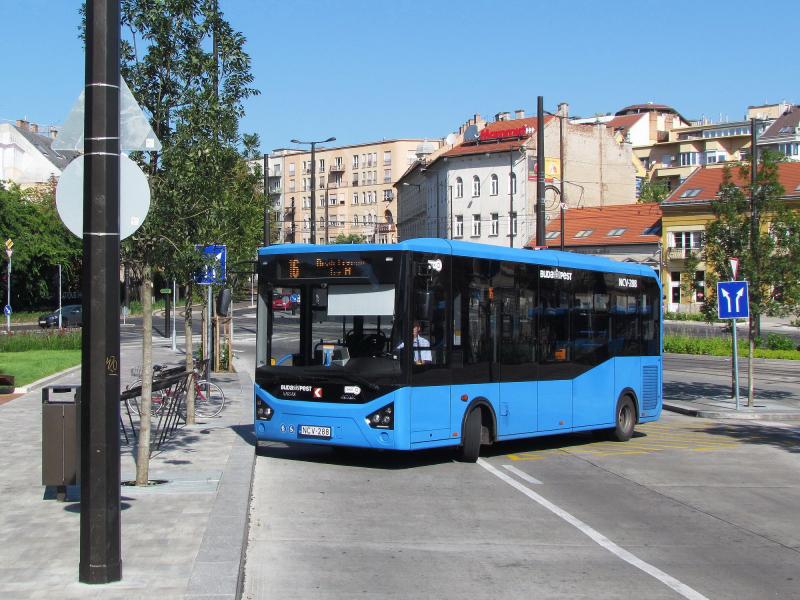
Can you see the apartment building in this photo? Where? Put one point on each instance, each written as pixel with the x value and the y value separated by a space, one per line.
pixel 353 191
pixel 482 187
pixel 783 135
pixel 688 147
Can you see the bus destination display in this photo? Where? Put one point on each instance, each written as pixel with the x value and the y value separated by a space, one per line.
pixel 313 268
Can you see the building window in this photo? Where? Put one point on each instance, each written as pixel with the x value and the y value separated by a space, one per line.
pixel 291 168
pixel 495 224
pixel 387 175
pixel 552 235
pixel 476 186
pixel 476 225
pixel 791 149
pixel 494 186
pixel 691 193
pixel 387 157
pixel 388 195
pixel 355 161
pixel 321 165
pixel 513 183
pixel 688 240
pixel 355 179
pixel 291 185
pixel 714 156
pixel 616 232
pixel 584 233
pixel 355 197
pixel 689 158
pixel 459 187
pixel 459 228
pixel 332 200
pixel 514 223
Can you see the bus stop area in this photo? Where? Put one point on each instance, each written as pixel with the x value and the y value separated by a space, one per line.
pixel 184 538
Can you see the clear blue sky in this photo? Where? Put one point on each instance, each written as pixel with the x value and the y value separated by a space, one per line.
pixel 365 70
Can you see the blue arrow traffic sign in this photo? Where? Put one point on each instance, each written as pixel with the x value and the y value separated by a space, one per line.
pixel 7 310
pixel 733 300
pixel 215 272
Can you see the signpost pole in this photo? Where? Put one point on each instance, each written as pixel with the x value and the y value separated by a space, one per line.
pixel 735 365
pixel 209 342
pixel 8 294
pixel 59 296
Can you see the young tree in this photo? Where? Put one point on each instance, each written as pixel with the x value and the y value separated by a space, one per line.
pixel 351 238
pixel 188 70
pixel 764 234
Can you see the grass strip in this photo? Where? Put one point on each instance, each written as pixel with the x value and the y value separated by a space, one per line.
pixel 53 340
pixel 681 344
pixel 27 367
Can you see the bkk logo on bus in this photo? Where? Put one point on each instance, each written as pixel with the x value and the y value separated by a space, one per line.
pixel 555 274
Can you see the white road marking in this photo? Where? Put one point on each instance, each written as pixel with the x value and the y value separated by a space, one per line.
pixel 683 589
pixel 522 474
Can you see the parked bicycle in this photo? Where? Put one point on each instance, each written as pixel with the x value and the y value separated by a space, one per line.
pixel 209 399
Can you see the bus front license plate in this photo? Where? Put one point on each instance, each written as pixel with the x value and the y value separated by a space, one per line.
pixel 314 431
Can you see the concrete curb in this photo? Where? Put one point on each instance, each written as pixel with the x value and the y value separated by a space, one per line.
pixel 732 414
pixel 45 380
pixel 218 571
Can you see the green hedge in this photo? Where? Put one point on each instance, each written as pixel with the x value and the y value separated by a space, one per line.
pixel 57 340
pixel 681 344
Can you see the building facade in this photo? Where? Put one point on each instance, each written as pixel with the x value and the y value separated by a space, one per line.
pixel 354 191
pixel 483 186
pixel 783 136
pixel 686 212
pixel 26 154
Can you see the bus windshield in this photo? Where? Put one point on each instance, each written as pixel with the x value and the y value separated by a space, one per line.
pixel 345 324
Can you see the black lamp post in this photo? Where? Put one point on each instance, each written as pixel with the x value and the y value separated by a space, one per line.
pixel 313 183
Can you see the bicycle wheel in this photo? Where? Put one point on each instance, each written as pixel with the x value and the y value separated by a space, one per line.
pixel 209 400
pixel 156 403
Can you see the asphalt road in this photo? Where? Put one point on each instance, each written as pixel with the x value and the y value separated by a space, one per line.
pixel 687 509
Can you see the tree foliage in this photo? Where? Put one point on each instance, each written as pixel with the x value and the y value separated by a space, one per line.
pixel 769 256
pixel 653 192
pixel 350 238
pixel 41 243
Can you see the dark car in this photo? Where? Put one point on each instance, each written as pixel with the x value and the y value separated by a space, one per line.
pixel 71 316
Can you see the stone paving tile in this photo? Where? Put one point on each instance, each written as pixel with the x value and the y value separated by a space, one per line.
pixel 163 531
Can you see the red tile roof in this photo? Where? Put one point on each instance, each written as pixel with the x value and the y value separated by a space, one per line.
pixel 624 122
pixel 633 219
pixel 491 146
pixel 703 184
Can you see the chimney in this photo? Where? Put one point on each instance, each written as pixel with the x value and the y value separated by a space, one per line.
pixel 519 114
pixel 563 109
pixel 22 124
pixel 53 133
pixel 502 116
pixel 34 128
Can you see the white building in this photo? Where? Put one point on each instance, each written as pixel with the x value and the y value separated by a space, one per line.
pixel 483 188
pixel 27 157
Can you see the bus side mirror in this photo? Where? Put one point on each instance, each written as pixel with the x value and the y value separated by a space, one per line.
pixel 424 306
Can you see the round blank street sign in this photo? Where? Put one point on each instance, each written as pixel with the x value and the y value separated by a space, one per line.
pixel 134 200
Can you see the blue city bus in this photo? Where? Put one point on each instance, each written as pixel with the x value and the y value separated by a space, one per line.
pixel 430 343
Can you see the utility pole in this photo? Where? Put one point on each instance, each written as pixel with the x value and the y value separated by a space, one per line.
pixel 511 197
pixel 562 198
pixel 540 223
pixel 754 233
pixel 100 544
pixel 59 296
pixel 313 184
pixel 327 221
pixel 9 252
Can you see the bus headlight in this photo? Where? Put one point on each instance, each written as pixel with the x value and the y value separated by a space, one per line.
pixel 383 418
pixel 263 410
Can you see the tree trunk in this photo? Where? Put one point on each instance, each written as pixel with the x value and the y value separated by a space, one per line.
pixel 750 382
pixel 143 449
pixel 187 332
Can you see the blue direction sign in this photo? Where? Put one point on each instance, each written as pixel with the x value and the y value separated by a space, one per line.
pixel 7 310
pixel 214 272
pixel 733 300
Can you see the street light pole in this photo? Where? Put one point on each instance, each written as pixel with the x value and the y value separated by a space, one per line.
pixel 313 183
pixel 8 292
pixel 540 223
pixel 266 200
pixel 511 198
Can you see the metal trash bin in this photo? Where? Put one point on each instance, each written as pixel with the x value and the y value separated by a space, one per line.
pixel 61 437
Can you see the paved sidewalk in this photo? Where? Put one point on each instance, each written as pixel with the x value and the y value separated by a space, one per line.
pixel 725 408
pixel 182 539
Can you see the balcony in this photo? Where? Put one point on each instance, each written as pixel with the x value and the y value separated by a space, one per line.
pixel 681 253
pixel 384 228
pixel 336 168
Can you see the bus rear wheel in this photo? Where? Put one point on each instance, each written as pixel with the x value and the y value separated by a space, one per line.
pixel 470 447
pixel 625 420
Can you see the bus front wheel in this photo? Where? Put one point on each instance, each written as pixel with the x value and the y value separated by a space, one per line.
pixel 625 420
pixel 470 447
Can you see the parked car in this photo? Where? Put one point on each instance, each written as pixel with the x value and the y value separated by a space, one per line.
pixel 71 316
pixel 282 302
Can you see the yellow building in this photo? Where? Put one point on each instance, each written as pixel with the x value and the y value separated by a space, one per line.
pixel 685 215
